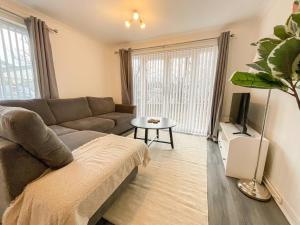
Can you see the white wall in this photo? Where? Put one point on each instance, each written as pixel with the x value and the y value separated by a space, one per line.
pixel 283 128
pixel 240 53
pixel 81 63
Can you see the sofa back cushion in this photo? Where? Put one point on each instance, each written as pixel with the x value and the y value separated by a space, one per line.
pixel 27 128
pixel 101 105
pixel 69 109
pixel 40 106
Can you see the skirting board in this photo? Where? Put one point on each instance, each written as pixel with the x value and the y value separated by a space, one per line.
pixel 285 207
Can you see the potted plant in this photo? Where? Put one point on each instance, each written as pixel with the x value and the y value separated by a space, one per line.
pixel 278 63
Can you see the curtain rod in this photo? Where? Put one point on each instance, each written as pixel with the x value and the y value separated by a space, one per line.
pixel 22 17
pixel 179 43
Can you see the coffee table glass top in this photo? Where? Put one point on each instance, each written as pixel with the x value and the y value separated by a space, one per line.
pixel 142 122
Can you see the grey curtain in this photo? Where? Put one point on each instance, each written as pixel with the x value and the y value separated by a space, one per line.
pixel 219 86
pixel 42 54
pixel 126 76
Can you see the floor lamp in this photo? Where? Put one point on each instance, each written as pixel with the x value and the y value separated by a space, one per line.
pixel 252 188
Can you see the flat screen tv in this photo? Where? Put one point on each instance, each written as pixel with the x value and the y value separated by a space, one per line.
pixel 239 111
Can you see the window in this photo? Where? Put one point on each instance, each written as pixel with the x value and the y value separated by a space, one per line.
pixel 17 77
pixel 176 83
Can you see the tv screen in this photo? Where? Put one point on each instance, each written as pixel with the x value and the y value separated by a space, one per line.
pixel 239 110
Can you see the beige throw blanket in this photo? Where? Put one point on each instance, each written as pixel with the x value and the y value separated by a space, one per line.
pixel 71 195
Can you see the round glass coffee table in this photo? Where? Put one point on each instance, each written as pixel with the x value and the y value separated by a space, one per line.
pixel 164 123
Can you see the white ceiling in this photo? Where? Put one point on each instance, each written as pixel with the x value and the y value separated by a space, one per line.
pixel 104 19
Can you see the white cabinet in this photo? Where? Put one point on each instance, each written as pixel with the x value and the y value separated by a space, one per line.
pixel 239 152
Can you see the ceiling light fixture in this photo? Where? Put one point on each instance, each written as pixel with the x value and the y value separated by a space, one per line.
pixel 127 24
pixel 142 25
pixel 135 17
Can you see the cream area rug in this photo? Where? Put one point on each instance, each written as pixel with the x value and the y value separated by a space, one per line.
pixel 171 190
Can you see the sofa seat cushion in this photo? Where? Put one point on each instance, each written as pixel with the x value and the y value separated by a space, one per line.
pixel 60 130
pixel 101 105
pixel 119 118
pixel 122 121
pixel 27 128
pixel 79 138
pixel 40 106
pixel 90 123
pixel 69 109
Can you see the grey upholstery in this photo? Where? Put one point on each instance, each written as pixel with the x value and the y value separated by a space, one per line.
pixel 16 162
pixel 63 111
pixel 101 105
pixel 69 109
pixel 27 128
pixel 64 117
pixel 40 106
pixel 122 121
pixel 78 138
pixel 17 169
pixel 90 123
pixel 126 108
pixel 119 118
pixel 94 220
pixel 120 129
pixel 60 130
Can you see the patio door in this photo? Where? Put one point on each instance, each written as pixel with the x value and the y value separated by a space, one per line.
pixel 176 83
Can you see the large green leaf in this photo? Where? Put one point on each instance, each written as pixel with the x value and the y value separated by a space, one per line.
pixel 264 65
pixel 255 66
pixel 293 24
pixel 266 46
pixel 281 31
pixel 296 19
pixel 273 40
pixel 259 80
pixel 268 77
pixel 284 59
pixel 288 20
pixel 260 65
pixel 298 69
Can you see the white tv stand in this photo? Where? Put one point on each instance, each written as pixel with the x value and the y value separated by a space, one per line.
pixel 239 152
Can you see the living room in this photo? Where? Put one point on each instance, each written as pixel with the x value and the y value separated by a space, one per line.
pixel 187 108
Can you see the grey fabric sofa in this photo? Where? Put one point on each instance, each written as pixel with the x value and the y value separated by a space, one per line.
pixel 75 121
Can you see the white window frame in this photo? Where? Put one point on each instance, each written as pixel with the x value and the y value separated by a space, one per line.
pixel 18 78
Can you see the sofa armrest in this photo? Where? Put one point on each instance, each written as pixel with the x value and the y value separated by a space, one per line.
pixel 125 108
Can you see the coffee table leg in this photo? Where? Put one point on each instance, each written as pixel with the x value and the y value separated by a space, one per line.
pixel 146 136
pixel 157 133
pixel 171 137
pixel 135 132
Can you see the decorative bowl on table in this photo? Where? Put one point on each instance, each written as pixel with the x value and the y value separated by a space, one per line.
pixel 155 121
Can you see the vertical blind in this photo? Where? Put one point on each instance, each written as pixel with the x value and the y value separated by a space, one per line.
pixel 17 79
pixel 176 83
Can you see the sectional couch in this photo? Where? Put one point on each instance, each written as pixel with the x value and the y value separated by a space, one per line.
pixel 75 121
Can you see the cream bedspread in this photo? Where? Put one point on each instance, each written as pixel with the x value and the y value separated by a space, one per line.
pixel 71 195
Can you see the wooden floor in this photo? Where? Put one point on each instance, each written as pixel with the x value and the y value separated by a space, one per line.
pixel 227 205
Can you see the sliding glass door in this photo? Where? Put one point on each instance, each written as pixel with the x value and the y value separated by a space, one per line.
pixel 176 83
